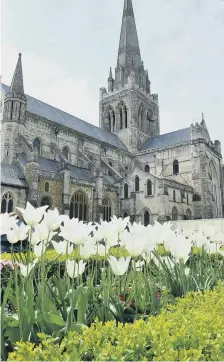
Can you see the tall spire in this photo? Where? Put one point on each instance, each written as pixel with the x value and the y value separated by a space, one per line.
pixel 17 80
pixel 128 46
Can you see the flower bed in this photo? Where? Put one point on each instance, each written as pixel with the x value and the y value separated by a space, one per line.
pixel 115 272
pixel 192 330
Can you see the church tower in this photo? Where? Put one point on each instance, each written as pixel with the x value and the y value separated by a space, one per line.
pixel 14 114
pixel 127 107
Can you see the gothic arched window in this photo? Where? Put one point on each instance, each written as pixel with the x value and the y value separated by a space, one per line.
pixel 174 214
pixel 46 201
pixel 188 214
pixel 125 214
pixel 112 120
pixel 149 188
pixel 36 144
pixel 174 195
pixel 147 168
pixel 46 187
pixel 126 191
pixel 136 183
pixel 175 167
pixel 65 152
pixel 146 218
pixel 7 203
pixel 121 118
pixel 78 206
pixel 106 210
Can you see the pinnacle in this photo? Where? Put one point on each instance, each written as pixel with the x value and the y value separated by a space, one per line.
pixel 17 80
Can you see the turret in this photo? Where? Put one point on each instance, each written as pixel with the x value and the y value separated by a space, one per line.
pixel 14 114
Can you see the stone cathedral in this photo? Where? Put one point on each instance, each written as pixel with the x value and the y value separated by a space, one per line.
pixel 123 167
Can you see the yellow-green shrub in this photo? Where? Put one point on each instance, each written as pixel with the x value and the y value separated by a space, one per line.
pixel 192 329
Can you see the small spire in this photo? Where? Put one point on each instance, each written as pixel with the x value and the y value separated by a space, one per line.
pixel 202 117
pixel 17 80
pixel 110 74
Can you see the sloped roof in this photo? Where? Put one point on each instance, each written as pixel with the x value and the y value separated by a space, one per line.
pixel 51 113
pixel 12 174
pixel 79 173
pixel 167 139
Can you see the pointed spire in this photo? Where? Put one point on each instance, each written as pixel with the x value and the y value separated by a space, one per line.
pixel 129 45
pixel 110 74
pixel 202 117
pixel 17 80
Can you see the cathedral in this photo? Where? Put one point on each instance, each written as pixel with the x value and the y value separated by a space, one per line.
pixel 123 167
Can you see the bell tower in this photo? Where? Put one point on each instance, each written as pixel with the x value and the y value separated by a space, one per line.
pixel 127 107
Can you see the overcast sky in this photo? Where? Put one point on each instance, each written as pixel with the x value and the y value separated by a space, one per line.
pixel 67 47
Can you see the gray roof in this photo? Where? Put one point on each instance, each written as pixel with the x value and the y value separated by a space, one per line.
pixel 79 173
pixel 51 113
pixel 12 174
pixel 167 140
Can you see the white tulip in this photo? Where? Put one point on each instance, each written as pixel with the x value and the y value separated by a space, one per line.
pixel 26 269
pixel 7 222
pixel 31 215
pixel 89 248
pixel 52 219
pixel 41 233
pixel 62 247
pixel 39 249
pixel 75 231
pixel 18 233
pixel 119 224
pixel 75 269
pixel 102 250
pixel 119 266
pixel 133 243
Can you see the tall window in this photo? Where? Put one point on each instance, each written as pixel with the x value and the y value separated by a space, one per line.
pixel 187 199
pixel 149 188
pixel 146 218
pixel 46 187
pixel 147 169
pixel 174 214
pixel 106 210
pixel 174 195
pixel 109 171
pixel 46 201
pixel 126 191
pixel 36 144
pixel 125 118
pixel 78 206
pixel 65 153
pixel 121 119
pixel 188 214
pixel 136 183
pixel 7 203
pixel 175 167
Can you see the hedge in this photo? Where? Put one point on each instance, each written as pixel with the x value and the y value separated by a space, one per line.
pixel 192 329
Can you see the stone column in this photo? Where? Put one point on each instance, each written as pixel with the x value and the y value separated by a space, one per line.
pixel 66 189
pixel 32 176
pixel 98 197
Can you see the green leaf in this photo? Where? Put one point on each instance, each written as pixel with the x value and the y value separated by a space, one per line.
pixel 55 319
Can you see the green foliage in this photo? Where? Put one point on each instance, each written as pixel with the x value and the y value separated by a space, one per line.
pixel 192 329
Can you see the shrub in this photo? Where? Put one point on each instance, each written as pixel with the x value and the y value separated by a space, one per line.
pixel 192 329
